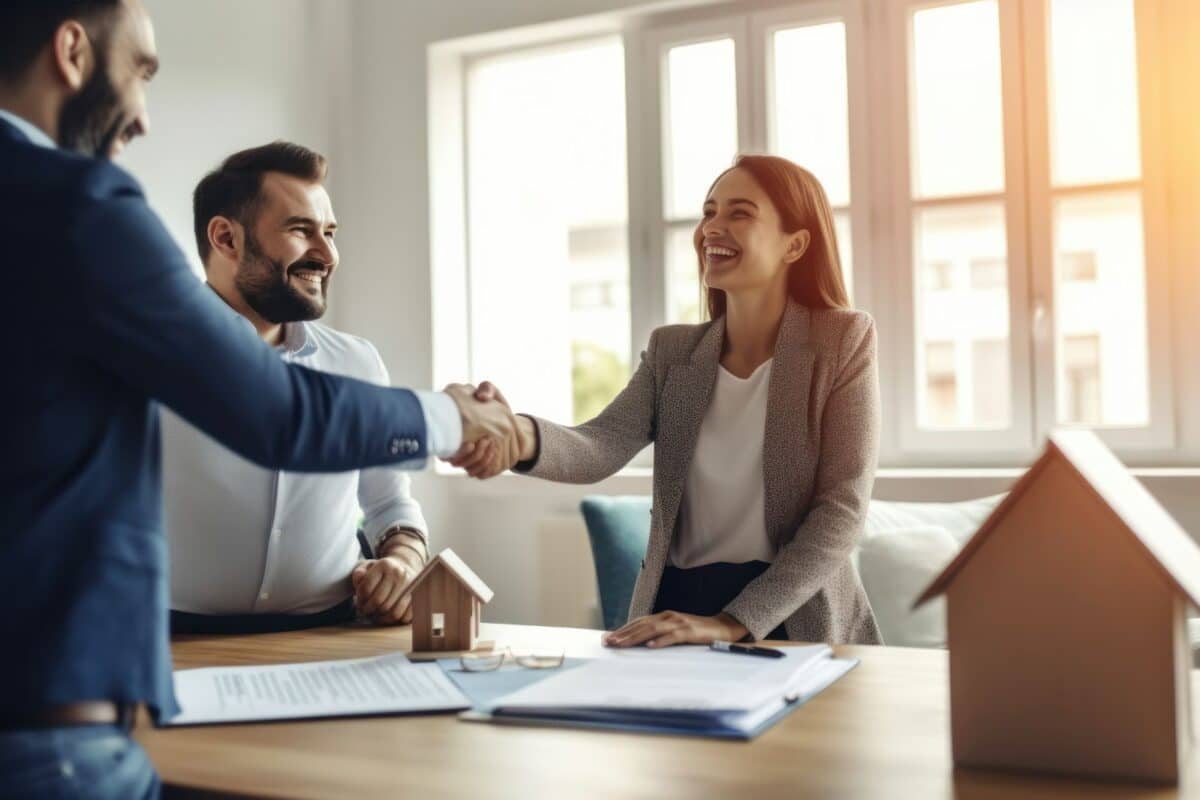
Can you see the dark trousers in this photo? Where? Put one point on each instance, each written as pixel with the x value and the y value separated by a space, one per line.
pixel 706 590
pixel 187 622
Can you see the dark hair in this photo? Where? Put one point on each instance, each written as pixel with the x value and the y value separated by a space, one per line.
pixel 815 280
pixel 233 189
pixel 26 26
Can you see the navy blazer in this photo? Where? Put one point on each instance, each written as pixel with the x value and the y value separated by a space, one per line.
pixel 103 317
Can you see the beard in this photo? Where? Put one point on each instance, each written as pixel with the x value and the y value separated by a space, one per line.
pixel 91 120
pixel 265 285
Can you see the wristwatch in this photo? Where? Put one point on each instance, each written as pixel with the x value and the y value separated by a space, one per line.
pixel 413 540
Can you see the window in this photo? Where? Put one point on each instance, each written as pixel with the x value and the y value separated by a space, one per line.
pixel 995 167
pixel 989 273
pixel 953 205
pixel 941 385
pixel 989 376
pixel 1078 267
pixel 1096 194
pixel 1020 163
pixel 939 275
pixel 547 226
pixel 809 120
pixel 1081 398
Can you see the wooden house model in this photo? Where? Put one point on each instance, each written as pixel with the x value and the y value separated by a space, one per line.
pixel 447 601
pixel 1066 619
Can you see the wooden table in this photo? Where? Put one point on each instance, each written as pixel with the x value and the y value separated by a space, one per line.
pixel 881 731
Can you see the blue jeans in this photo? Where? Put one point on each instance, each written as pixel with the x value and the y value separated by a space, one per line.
pixel 75 761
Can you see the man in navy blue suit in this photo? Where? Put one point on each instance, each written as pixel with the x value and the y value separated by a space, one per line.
pixel 105 320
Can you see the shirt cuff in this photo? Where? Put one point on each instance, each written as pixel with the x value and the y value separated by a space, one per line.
pixel 443 423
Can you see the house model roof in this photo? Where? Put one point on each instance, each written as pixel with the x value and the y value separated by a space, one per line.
pixel 1170 546
pixel 459 569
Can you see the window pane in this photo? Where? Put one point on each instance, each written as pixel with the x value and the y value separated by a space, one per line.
pixel 599 318
pixel 962 317
pixel 1093 91
pixel 1103 363
pixel 991 398
pixel 810 118
pixel 941 385
pixel 684 296
pixel 547 226
pixel 702 137
pixel 958 123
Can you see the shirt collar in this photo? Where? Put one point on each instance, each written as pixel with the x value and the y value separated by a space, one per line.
pixel 31 132
pixel 296 340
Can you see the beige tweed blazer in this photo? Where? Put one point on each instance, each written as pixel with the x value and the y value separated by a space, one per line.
pixel 819 455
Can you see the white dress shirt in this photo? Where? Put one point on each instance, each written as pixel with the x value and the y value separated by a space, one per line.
pixel 245 540
pixel 722 516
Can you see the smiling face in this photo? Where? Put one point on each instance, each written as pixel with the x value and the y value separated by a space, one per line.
pixel 740 239
pixel 290 255
pixel 109 110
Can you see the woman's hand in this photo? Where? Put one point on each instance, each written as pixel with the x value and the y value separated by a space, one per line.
pixel 482 459
pixel 673 627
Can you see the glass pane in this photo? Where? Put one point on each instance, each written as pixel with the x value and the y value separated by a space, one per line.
pixel 962 317
pixel 701 132
pixel 1100 301
pixel 1093 92
pixel 845 243
pixel 546 143
pixel 810 118
pixel 599 320
pixel 684 295
pixel 958 122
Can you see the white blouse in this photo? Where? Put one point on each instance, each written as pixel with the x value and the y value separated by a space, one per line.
pixel 722 515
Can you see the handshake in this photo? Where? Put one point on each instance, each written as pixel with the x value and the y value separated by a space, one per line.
pixel 494 439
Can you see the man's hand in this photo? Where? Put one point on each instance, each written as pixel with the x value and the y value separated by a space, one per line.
pixel 378 583
pixel 673 627
pixel 486 422
pixel 484 457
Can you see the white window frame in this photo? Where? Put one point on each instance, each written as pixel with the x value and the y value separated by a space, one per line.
pixel 1159 434
pixel 1017 438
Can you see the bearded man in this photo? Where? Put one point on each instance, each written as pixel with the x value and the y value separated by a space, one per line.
pixel 256 550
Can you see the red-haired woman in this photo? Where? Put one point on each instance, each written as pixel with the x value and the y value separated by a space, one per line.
pixel 765 423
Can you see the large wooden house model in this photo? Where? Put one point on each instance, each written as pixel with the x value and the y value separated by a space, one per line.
pixel 1066 619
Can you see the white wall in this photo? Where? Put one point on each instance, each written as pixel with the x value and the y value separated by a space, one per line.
pixel 233 75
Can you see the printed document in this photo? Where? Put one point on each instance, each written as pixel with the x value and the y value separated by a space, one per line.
pixel 387 684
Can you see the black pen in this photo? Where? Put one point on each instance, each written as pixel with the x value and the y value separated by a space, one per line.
pixel 747 649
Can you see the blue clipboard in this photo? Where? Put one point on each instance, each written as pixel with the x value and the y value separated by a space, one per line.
pixel 483 689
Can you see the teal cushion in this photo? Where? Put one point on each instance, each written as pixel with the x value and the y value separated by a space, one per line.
pixel 618 528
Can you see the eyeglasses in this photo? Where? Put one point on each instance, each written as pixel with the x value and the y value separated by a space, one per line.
pixel 539 658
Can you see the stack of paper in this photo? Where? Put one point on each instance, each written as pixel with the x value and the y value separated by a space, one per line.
pixel 682 690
